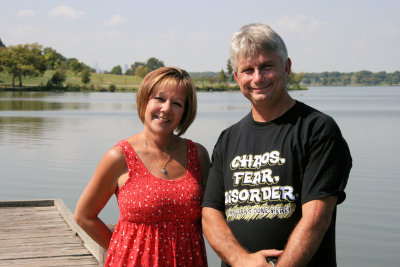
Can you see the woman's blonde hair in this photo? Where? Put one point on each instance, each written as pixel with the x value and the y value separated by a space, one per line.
pixel 167 77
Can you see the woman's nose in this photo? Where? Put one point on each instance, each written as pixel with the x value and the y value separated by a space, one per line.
pixel 166 106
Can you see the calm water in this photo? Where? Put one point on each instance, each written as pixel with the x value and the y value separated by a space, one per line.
pixel 50 144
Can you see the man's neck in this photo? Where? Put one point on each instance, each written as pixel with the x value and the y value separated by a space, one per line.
pixel 268 112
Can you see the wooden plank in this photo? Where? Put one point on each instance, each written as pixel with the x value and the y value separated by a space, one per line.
pixel 44 262
pixel 27 203
pixel 39 233
pixel 97 251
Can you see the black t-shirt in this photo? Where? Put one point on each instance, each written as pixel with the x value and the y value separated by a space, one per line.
pixel 262 173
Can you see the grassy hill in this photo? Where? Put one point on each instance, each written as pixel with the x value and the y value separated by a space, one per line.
pixel 98 81
pixel 103 82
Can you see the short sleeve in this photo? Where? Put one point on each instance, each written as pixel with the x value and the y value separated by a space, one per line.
pixel 328 164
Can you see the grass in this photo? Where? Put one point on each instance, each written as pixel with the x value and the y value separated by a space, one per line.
pixel 98 82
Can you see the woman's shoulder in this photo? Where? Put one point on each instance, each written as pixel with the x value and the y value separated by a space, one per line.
pixel 115 154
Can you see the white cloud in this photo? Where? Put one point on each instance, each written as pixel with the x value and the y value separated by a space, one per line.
pixel 386 29
pixel 373 35
pixel 115 20
pixel 66 12
pixel 299 23
pixel 26 13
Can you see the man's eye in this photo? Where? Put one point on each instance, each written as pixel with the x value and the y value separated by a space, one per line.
pixel 247 71
pixel 266 67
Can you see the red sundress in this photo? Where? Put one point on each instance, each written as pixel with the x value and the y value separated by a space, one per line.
pixel 159 222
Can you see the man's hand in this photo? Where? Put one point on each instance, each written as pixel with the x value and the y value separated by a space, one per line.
pixel 257 259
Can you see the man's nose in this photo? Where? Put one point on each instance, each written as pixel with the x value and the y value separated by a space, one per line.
pixel 257 75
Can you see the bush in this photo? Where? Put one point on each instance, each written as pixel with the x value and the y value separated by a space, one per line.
pixel 58 77
pixel 112 87
pixel 85 76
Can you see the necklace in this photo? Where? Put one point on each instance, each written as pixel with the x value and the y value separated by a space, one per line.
pixel 163 170
pixel 170 150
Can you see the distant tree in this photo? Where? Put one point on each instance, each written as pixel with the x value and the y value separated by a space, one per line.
pixel 85 76
pixel 59 76
pixel 141 71
pixel 229 69
pixel 74 65
pixel 54 59
pixel 295 78
pixel 23 60
pixel 221 77
pixel 306 81
pixel 116 70
pixel 363 76
pixel 153 64
pixel 129 72
pixel 2 46
pixel 135 65
pixel 294 81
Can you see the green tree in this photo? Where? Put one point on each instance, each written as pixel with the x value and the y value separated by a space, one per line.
pixel 59 76
pixel 135 65
pixel 54 59
pixel 153 64
pixel 141 71
pixel 23 60
pixel 74 65
pixel 116 70
pixel 129 72
pixel 229 69
pixel 2 47
pixel 221 77
pixel 295 80
pixel 85 76
pixel 363 76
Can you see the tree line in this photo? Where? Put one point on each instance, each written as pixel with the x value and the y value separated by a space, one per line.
pixel 33 60
pixel 138 68
pixel 364 77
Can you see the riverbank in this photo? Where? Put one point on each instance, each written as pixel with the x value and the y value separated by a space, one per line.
pixel 101 82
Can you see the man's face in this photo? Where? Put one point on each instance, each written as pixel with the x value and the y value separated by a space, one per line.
pixel 262 78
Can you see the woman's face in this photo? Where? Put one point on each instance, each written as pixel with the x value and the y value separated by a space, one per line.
pixel 164 110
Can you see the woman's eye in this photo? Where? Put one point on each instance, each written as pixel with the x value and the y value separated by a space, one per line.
pixel 178 104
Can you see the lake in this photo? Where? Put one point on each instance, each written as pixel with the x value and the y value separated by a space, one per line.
pixel 50 144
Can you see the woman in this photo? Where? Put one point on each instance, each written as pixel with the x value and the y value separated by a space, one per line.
pixel 158 178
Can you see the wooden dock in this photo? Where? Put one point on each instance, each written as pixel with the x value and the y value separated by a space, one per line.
pixel 43 233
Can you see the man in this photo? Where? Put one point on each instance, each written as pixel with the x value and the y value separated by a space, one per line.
pixel 278 174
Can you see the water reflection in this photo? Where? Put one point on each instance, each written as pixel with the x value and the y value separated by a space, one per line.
pixel 50 144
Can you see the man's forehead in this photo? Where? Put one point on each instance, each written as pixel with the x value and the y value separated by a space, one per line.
pixel 265 56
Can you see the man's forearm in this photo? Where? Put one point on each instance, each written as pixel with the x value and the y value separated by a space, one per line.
pixel 309 232
pixel 220 236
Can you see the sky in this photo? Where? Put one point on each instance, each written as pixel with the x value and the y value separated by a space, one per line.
pixel 328 35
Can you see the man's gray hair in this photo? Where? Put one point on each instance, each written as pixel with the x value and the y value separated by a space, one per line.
pixel 254 39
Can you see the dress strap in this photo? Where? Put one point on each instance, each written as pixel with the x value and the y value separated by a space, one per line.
pixel 129 153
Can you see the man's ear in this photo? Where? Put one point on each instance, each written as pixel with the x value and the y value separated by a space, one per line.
pixel 288 66
pixel 236 76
